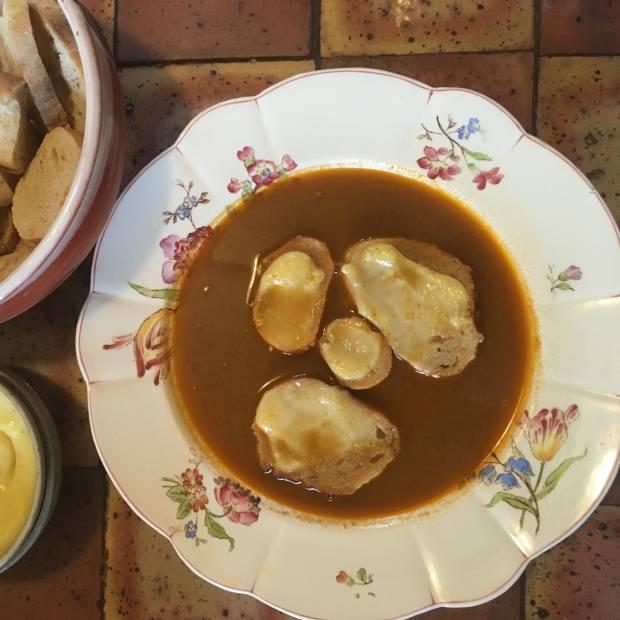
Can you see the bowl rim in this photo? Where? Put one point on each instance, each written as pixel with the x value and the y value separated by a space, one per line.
pixel 9 391
pixel 174 146
pixel 20 278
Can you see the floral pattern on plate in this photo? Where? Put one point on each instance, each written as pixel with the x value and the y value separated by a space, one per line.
pixel 361 578
pixel 151 341
pixel 443 161
pixel 262 172
pixel 561 282
pixel 189 491
pixel 546 432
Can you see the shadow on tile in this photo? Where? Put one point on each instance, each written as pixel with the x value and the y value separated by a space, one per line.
pixel 59 577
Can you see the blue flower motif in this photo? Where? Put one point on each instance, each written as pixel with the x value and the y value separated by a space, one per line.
pixel 472 127
pixel 508 481
pixel 487 474
pixel 519 465
pixel 190 529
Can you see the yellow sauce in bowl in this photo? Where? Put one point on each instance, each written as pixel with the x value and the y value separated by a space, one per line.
pixel 18 474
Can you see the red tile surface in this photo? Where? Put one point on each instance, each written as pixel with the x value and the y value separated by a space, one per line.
pixel 506 78
pixel 146 579
pixel 579 114
pixel 40 346
pixel 60 577
pixel 103 12
pixel 580 26
pixel 580 578
pixel 362 27
pixel 160 101
pixel 173 29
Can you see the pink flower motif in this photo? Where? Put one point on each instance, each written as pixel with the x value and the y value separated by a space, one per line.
pixel 342 576
pixel 234 186
pixel 247 152
pixel 439 163
pixel 288 163
pixel 192 478
pixel 181 252
pixel 570 273
pixel 238 503
pixel 548 430
pixel 263 172
pixel 151 344
pixel 493 176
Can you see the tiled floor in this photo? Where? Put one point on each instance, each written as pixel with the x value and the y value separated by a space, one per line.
pixel 97 559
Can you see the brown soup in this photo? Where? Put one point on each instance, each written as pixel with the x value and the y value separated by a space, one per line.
pixel 447 426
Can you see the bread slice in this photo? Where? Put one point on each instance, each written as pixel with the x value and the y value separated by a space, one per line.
pixel 7 187
pixel 358 355
pixel 41 192
pixel 288 305
pixel 319 434
pixel 61 58
pixel 442 351
pixel 10 262
pixel 26 62
pixel 18 141
pixel 8 235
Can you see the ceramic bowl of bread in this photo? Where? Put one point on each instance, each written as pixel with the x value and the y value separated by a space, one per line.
pixel 61 135
pixel 359 338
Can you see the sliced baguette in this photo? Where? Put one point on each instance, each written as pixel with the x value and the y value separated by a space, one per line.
pixel 18 141
pixel 321 435
pixel 7 185
pixel 22 49
pixel 61 58
pixel 288 318
pixel 8 235
pixel 450 352
pixel 359 356
pixel 41 192
pixel 10 262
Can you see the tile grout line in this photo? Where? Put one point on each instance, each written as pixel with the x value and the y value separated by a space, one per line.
pixel 315 33
pixel 227 60
pixel 103 570
pixel 536 68
pixel 115 32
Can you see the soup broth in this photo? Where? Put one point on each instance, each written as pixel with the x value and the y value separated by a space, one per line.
pixel 447 425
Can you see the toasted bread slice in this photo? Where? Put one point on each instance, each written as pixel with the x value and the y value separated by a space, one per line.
pixel 8 235
pixel 10 262
pixel 18 141
pixel 26 62
pixel 430 326
pixel 61 58
pixel 41 192
pixel 321 435
pixel 288 305
pixel 359 356
pixel 7 187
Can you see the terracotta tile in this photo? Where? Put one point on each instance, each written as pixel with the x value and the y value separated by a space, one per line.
pixel 577 26
pixel 103 12
pixel 506 78
pixel 580 578
pixel 613 495
pixel 363 27
pixel 173 29
pixel 59 578
pixel 160 101
pixel 40 346
pixel 146 579
pixel 505 607
pixel 579 114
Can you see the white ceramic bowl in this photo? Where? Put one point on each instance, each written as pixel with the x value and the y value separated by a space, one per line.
pixel 95 185
pixel 464 549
